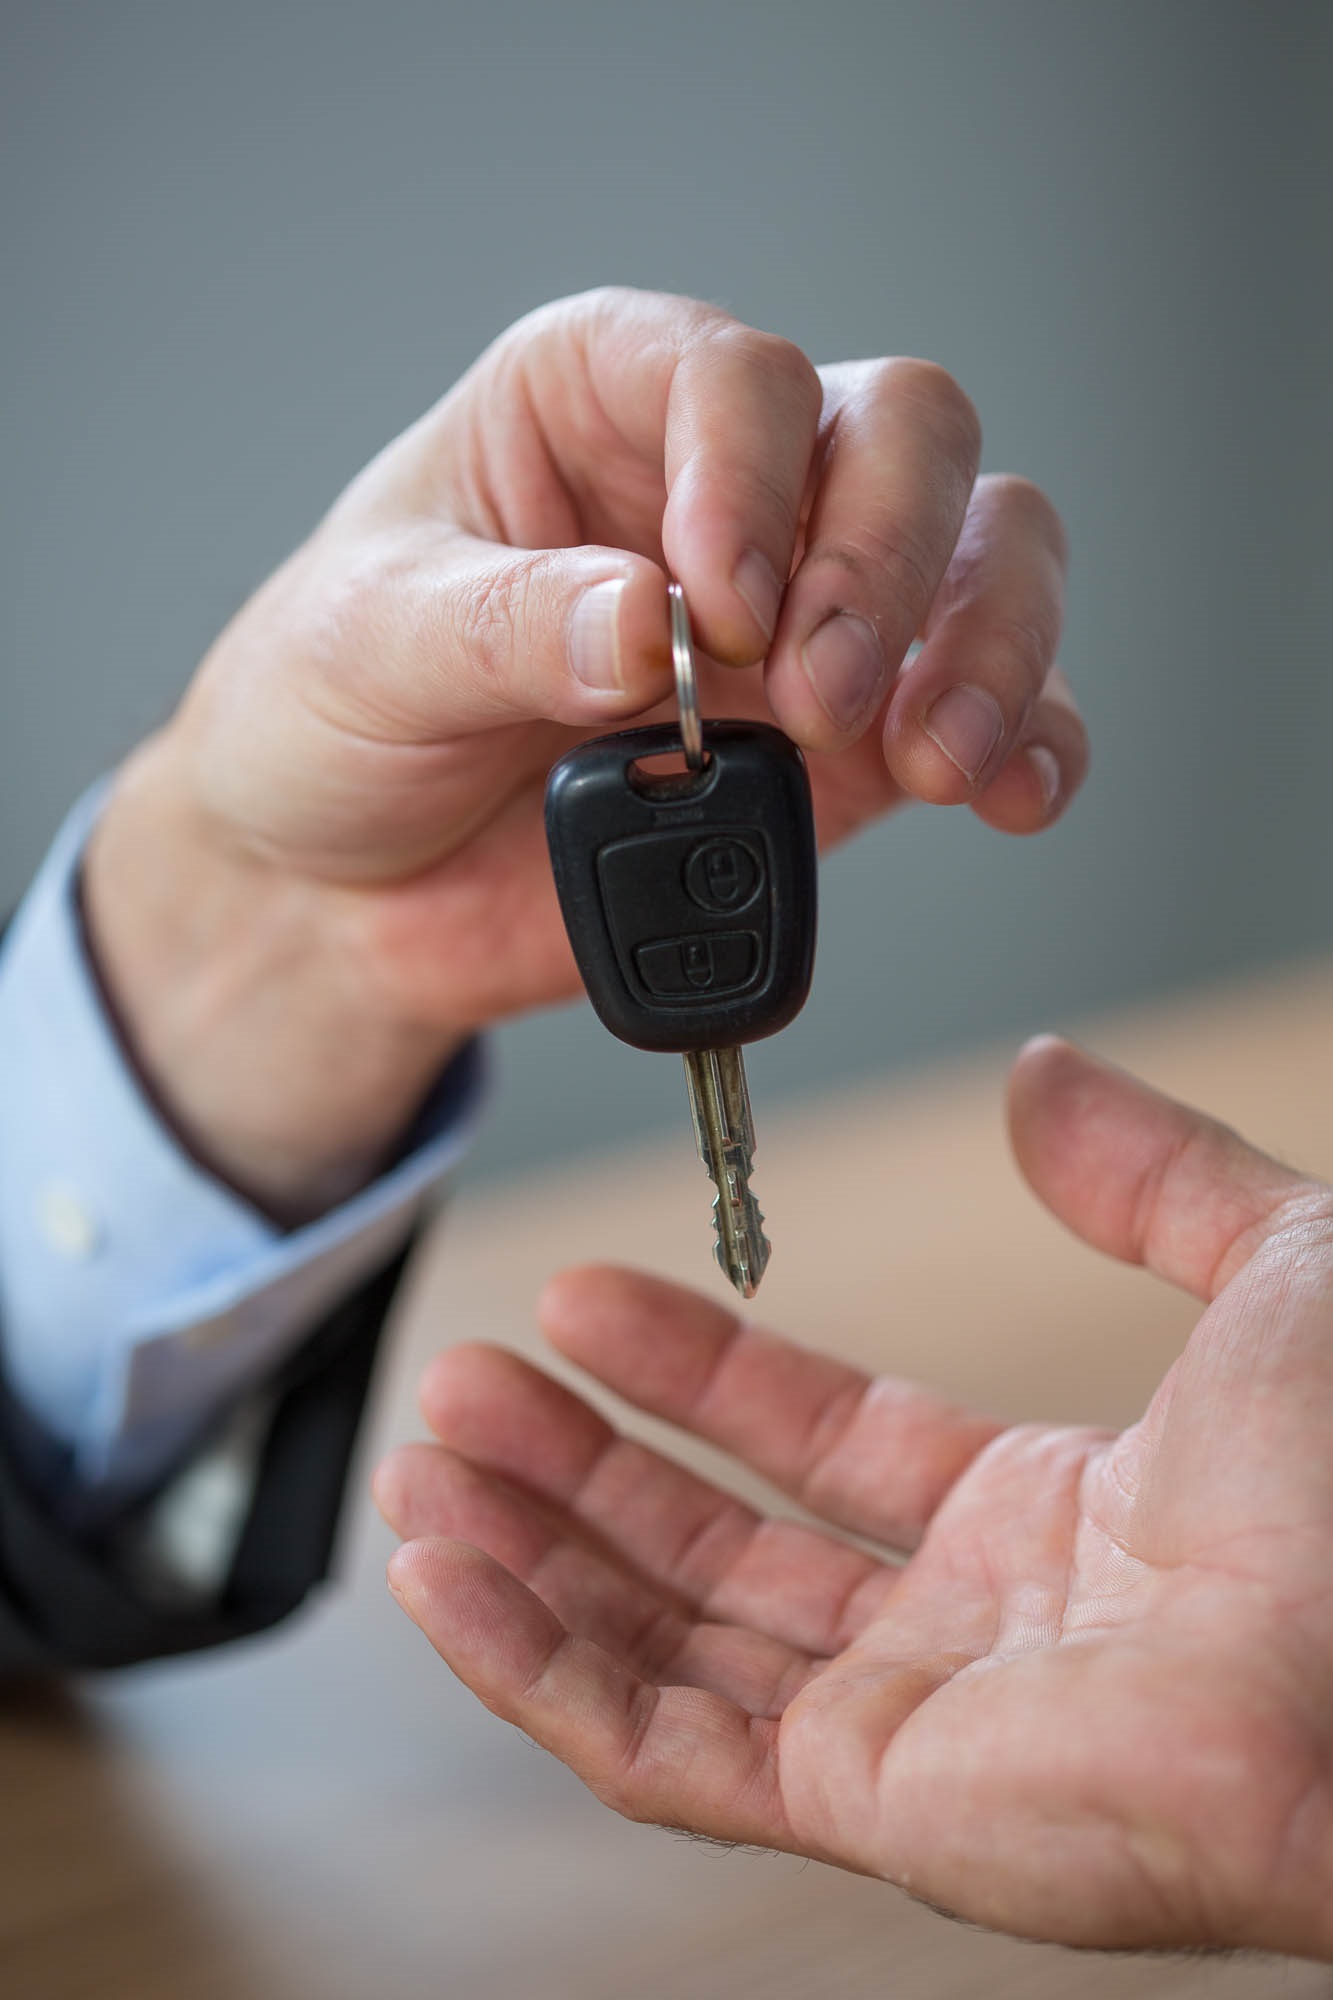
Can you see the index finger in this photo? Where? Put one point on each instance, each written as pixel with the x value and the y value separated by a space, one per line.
pixel 870 1453
pixel 741 421
pixel 729 417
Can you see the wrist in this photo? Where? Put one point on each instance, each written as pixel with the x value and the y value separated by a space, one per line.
pixel 243 993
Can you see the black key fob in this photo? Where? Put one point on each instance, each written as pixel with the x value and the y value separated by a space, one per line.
pixel 690 901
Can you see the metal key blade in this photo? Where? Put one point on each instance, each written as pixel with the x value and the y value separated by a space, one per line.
pixel 724 1129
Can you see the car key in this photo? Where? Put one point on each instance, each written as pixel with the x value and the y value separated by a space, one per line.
pixel 690 904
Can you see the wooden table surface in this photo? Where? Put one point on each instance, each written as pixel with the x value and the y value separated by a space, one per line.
pixel 325 1815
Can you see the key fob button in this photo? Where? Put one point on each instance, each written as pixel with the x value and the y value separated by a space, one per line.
pixel 710 962
pixel 722 875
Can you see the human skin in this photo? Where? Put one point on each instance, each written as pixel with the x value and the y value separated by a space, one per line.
pixel 1084 1692
pixel 328 868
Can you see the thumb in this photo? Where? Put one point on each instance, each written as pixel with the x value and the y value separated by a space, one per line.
pixel 1141 1176
pixel 462 635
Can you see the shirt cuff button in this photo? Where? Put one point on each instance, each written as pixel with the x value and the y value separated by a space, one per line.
pixel 66 1223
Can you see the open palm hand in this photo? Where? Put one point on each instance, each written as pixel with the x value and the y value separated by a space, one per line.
pixel 1085 1692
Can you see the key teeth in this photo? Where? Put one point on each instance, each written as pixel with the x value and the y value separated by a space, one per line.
pixel 724 1131
pixel 754 1249
pixel 745 1281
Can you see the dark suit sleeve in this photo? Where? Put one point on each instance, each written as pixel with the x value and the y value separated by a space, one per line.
pixel 66 1604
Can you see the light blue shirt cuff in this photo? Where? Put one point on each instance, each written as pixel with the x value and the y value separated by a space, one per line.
pixel 139 1296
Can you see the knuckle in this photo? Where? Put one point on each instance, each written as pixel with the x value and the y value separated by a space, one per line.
pixel 1018 653
pixel 597 303
pixel 486 608
pixel 1010 493
pixel 621 1787
pixel 767 493
pixel 655 320
pixel 605 298
pixel 541 322
pixel 617 1793
pixel 786 364
pixel 778 363
pixel 609 313
pixel 893 564
pixel 927 387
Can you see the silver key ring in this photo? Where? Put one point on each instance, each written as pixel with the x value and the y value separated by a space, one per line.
pixel 687 684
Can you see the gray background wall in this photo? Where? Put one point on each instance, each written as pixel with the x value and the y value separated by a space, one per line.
pixel 244 243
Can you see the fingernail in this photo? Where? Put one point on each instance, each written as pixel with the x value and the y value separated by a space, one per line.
pixel 845 665
pixel 756 580
pixel 594 636
pixel 967 724
pixel 1046 766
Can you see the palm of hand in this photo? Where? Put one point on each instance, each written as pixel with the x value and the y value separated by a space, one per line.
pixel 1066 1722
pixel 1092 1705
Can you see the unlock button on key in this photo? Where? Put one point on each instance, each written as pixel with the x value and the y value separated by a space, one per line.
pixel 709 962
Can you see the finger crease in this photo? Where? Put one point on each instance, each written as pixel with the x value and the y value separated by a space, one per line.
pixel 728 1515
pixel 577 1498
pixel 703 1395
pixel 643 1705
pixel 873 556
pixel 534 1684
pixel 825 1435
pixel 658 1639
pixel 843 1625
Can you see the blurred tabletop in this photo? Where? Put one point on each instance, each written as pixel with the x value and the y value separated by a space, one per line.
pixel 324 1814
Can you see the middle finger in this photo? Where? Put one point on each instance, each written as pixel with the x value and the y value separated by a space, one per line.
pixel 900 448
pixel 962 707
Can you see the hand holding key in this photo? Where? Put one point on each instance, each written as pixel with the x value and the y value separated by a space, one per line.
pixel 1068 1683
pixel 329 866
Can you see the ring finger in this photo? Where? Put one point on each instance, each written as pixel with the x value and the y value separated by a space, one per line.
pixel 962 708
